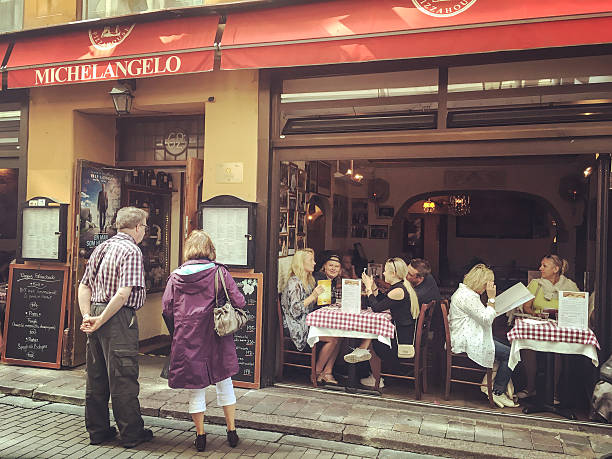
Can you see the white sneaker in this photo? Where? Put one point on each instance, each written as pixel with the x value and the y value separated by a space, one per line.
pixel 371 382
pixel 358 355
pixel 502 401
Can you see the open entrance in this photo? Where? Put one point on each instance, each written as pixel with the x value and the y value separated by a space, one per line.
pixel 507 213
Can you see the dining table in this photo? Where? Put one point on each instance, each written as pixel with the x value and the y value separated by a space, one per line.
pixel 333 321
pixel 545 336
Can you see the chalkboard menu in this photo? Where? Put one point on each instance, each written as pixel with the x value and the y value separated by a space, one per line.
pixel 248 339
pixel 34 317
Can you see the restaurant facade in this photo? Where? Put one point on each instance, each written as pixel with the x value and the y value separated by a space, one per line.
pixel 509 106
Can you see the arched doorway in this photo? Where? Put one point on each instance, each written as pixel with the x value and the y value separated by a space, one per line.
pixel 508 229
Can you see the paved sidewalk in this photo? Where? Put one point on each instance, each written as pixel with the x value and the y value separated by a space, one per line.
pixel 335 416
pixel 32 429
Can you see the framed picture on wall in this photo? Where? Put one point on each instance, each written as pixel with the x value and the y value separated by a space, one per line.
pixel 311 176
pixel 359 231
pixel 291 218
pixel 412 236
pixel 300 243
pixel 323 178
pixel 340 216
pixel 291 243
pixel 301 203
pixel 284 174
pixel 386 212
pixel 293 177
pixel 302 179
pixel 379 232
pixel 284 198
pixel 301 224
pixel 359 214
pixel 282 246
pixel 283 228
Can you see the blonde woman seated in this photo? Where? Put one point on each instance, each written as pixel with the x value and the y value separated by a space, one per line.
pixel 401 301
pixel 298 298
pixel 546 291
pixel 471 330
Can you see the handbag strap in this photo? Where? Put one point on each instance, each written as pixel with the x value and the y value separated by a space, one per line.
pixel 217 276
pixel 413 339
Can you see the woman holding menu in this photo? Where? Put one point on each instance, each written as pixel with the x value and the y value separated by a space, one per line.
pixel 298 298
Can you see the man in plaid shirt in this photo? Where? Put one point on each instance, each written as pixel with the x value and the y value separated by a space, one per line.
pixel 112 289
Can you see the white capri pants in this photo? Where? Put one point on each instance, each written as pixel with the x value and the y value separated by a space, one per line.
pixel 225 396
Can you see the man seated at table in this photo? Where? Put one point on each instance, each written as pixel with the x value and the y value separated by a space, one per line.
pixel 425 286
pixel 331 271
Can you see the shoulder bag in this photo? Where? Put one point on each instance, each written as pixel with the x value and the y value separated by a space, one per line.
pixel 406 351
pixel 228 319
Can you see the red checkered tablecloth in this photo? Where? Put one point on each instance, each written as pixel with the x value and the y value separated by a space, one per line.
pixel 376 323
pixel 549 331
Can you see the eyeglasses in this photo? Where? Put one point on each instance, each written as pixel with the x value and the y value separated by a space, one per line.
pixel 392 261
pixel 146 227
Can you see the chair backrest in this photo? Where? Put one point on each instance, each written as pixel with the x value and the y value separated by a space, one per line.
pixel 444 308
pixel 424 322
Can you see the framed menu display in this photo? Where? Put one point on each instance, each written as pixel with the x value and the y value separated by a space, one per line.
pixel 230 222
pixel 44 230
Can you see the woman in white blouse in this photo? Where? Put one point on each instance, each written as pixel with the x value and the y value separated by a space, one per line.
pixel 471 332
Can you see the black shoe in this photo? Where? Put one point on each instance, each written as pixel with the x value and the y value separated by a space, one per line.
pixel 232 438
pixel 200 442
pixel 145 435
pixel 108 435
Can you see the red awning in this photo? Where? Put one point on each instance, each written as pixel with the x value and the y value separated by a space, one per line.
pixel 3 48
pixel 365 30
pixel 175 46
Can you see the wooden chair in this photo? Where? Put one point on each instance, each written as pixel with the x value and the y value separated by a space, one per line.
pixel 462 363
pixel 419 362
pixel 290 356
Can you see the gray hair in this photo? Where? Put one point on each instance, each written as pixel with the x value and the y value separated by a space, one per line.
pixel 130 217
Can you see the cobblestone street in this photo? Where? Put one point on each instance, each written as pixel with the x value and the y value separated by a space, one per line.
pixel 33 429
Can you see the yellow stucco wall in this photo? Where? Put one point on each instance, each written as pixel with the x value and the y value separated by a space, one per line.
pixel 73 122
pixel 41 13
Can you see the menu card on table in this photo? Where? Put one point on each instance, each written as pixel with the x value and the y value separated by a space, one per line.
pixel 351 295
pixel 512 298
pixel 325 297
pixel 574 310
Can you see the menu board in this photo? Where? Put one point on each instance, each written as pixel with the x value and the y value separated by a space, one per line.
pixel 248 338
pixel 229 229
pixel 34 317
pixel 41 232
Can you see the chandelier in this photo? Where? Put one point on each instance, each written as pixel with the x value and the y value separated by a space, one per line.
pixel 459 204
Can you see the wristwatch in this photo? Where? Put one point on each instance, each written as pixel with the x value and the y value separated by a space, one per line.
pixel 491 300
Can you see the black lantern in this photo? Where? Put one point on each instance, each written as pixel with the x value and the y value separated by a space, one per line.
pixel 123 97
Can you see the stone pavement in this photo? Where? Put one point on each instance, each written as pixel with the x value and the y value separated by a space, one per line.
pixel 335 416
pixel 32 429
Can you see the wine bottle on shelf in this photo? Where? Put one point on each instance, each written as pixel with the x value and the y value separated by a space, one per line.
pixel 142 180
pixel 153 179
pixel 160 179
pixel 135 177
pixel 170 184
pixel 166 180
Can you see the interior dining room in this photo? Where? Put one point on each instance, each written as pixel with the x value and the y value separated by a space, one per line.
pixel 501 201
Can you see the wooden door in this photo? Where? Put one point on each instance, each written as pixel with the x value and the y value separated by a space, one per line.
pixel 192 194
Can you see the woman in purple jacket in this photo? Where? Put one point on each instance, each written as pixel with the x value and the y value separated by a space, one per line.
pixel 199 357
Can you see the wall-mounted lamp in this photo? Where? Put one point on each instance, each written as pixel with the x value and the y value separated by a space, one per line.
pixel 429 206
pixel 122 96
pixel 587 172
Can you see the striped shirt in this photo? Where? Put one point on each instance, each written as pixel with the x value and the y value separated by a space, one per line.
pixel 116 263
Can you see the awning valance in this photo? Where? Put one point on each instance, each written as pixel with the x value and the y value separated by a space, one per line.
pixel 175 46
pixel 363 30
pixel 3 48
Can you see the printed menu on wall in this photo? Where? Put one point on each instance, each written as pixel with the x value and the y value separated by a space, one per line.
pixel 34 318
pixel 228 228
pixel 248 338
pixel 41 233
